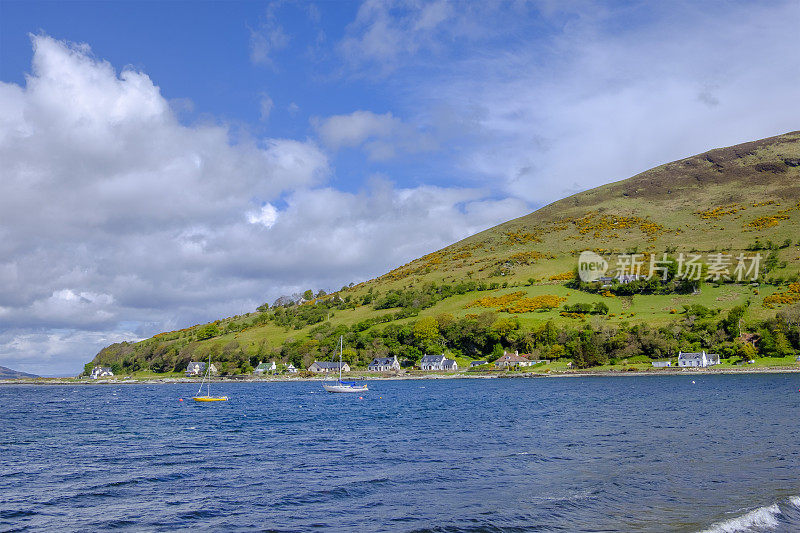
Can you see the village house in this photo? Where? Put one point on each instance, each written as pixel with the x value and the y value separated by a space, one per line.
pixel 450 365
pixel 290 368
pixel 697 359
pixel 384 364
pixel 606 281
pixel 197 368
pixel 662 364
pixel 473 364
pixel 265 367
pixel 101 372
pixel 515 360
pixel 437 362
pixel 328 366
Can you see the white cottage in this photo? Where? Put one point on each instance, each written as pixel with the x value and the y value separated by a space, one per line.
pixel 437 362
pixel 328 366
pixel 697 359
pixel 662 364
pixel 265 368
pixel 384 364
pixel 101 372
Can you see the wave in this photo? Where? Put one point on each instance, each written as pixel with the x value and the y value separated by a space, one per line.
pixel 766 518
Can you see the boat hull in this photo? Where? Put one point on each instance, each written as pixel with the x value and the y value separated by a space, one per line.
pixel 210 398
pixel 345 388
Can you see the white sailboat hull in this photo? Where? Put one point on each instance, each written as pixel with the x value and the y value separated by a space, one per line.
pixel 345 388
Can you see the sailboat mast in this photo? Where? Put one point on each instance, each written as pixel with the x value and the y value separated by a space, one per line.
pixel 341 349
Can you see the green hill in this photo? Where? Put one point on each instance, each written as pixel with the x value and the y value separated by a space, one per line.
pixel 505 286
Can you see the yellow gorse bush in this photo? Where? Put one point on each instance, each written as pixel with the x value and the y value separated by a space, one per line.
pixel 517 302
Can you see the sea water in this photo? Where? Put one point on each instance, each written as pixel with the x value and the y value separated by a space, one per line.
pixel 630 453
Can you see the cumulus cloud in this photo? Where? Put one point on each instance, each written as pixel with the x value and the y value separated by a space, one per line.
pixel 117 221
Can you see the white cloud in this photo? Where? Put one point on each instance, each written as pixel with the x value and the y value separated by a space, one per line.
pixel 44 352
pixel 117 221
pixel 353 129
pixel 383 136
pixel 606 99
pixel 266 216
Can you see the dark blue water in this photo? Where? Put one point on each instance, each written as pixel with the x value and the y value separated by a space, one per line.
pixel 572 454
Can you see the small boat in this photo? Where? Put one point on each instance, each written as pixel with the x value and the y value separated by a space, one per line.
pixel 208 397
pixel 343 386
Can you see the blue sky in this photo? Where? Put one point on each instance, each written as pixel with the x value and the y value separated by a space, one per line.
pixel 169 163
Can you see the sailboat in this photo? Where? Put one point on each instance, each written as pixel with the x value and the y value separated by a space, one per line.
pixel 343 386
pixel 208 397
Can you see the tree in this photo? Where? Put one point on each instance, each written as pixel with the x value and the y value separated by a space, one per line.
pixel 308 295
pixel 87 368
pixel 497 352
pixel 731 323
pixel 426 331
pixel 208 331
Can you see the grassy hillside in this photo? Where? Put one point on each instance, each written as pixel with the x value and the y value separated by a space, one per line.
pixel 741 199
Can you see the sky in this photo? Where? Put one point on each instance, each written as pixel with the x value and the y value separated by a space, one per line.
pixel 165 164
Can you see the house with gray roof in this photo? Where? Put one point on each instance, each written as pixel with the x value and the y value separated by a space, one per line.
pixel 328 366
pixel 437 362
pixel 473 364
pixel 195 368
pixel 384 364
pixel 697 359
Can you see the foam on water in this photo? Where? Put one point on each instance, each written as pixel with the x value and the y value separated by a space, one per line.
pixel 761 519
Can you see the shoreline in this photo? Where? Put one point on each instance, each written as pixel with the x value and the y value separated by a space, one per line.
pixel 406 376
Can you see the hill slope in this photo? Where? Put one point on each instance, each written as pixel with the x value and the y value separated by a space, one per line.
pixel 721 200
pixel 744 198
pixel 7 373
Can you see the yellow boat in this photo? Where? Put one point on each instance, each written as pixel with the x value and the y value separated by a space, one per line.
pixel 210 398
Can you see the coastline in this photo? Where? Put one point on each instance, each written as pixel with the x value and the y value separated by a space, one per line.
pixel 407 376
